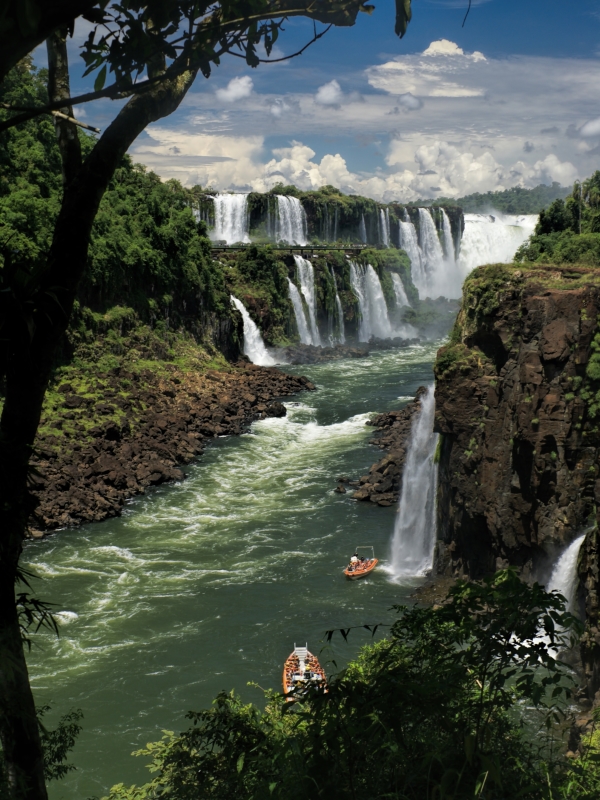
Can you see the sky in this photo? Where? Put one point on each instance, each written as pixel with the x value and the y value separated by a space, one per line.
pixel 510 98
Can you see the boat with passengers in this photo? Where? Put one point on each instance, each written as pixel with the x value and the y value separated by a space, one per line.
pixel 360 565
pixel 301 670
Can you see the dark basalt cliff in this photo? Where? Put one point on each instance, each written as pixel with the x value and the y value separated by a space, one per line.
pixel 517 404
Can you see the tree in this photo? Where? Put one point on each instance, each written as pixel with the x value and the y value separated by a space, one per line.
pixel 171 41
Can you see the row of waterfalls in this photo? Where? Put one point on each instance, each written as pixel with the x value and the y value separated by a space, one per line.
pixel 440 260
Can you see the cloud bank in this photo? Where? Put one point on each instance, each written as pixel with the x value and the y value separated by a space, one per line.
pixel 443 122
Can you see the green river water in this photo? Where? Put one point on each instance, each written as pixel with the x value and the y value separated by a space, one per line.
pixel 206 585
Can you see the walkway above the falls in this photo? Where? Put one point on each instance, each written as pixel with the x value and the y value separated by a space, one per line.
pixel 303 250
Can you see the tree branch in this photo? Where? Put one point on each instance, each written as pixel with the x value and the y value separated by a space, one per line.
pixel 293 55
pixel 320 10
pixel 59 91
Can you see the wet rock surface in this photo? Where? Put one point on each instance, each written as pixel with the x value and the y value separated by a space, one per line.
pixel 381 485
pixel 172 421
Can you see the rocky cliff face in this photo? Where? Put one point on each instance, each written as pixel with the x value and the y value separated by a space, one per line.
pixel 517 404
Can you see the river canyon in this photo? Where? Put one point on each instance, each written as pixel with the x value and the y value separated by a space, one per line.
pixel 206 584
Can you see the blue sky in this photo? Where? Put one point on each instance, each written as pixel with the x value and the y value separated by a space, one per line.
pixel 511 98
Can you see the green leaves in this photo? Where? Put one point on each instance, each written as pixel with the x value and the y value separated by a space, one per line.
pixel 100 79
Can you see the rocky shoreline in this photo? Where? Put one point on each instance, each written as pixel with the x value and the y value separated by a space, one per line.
pixel 166 421
pixel 381 485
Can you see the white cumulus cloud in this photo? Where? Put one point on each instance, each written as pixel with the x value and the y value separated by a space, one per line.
pixel 237 89
pixel 330 94
pixel 439 71
pixel 590 129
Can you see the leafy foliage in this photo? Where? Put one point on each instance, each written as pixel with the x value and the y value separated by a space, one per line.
pixel 434 710
pixel 58 743
pixel 509 201
pixel 568 231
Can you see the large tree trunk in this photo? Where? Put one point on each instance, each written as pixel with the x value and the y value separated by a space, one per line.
pixel 28 372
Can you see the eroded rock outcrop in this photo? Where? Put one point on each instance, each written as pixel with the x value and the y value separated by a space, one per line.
pixel 381 485
pixel 518 407
pixel 164 423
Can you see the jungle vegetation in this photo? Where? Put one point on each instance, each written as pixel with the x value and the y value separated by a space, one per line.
pixel 568 231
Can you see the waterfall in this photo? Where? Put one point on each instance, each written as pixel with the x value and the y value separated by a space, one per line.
pixel 340 316
pixel 362 230
pixel 384 226
pixel 410 244
pixel 254 347
pixel 291 223
pixel 431 248
pixel 443 276
pixel 448 240
pixel 306 279
pixel 303 330
pixel 231 218
pixel 493 238
pixel 373 308
pixel 399 291
pixel 564 575
pixel 414 531
pixel 335 224
pixel 341 335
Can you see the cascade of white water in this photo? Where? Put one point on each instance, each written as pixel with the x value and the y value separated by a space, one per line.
pixel 301 322
pixel 254 347
pixel 414 531
pixel 448 240
pixel 493 238
pixel 291 227
pixel 410 244
pixel 373 308
pixel 362 230
pixel 564 574
pixel 399 291
pixel 341 334
pixel 444 277
pixel 340 315
pixel 384 227
pixel 231 218
pixel 306 279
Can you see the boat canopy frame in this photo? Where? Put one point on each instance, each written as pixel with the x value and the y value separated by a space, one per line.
pixel 366 547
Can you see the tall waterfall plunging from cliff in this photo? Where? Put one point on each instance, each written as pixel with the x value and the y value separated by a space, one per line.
pixel 409 242
pixel 290 225
pixel 301 321
pixel 254 347
pixel 375 320
pixel 564 575
pixel 362 230
pixel 341 333
pixel 493 238
pixel 443 276
pixel 340 316
pixel 414 531
pixel 306 279
pixel 231 218
pixel 384 227
pixel 448 240
pixel 399 291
